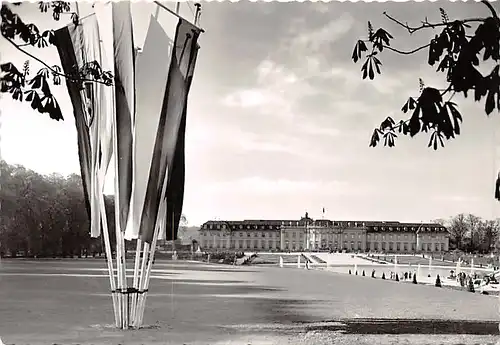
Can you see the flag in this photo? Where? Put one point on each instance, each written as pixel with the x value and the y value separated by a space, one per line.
pixel 497 188
pixel 152 68
pixel 104 16
pixel 124 79
pixel 172 115
pixel 78 46
pixel 176 175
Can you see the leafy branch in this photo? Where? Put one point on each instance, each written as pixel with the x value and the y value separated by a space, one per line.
pixel 37 90
pixel 457 53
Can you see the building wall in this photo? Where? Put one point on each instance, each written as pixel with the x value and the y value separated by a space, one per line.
pixel 299 235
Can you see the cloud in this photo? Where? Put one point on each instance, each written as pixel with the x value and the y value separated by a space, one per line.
pixel 248 99
pixel 314 41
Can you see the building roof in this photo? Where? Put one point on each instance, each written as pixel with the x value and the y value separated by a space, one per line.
pixel 371 226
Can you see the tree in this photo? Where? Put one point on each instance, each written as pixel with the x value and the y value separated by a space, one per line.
pixel 36 90
pixel 414 281
pixel 490 230
pixel 474 227
pixel 438 281
pixel 461 48
pixel 458 229
pixel 45 216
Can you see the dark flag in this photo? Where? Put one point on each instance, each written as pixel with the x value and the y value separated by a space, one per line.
pixel 78 45
pixel 168 154
pixel 497 188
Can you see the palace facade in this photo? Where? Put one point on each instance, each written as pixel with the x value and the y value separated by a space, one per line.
pixel 307 234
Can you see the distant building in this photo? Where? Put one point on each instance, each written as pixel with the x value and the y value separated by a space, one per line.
pixel 322 234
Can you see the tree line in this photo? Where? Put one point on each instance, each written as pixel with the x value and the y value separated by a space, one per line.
pixel 470 233
pixel 46 215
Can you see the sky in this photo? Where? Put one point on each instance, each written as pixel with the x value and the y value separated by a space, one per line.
pixel 279 118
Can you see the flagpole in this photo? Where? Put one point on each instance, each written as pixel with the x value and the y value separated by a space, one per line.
pixel 109 255
pixel 175 14
pixel 137 263
pixel 157 12
pixel 151 257
pixel 197 13
pixel 119 236
pixel 148 255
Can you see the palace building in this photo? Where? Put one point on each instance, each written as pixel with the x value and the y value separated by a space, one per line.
pixel 322 234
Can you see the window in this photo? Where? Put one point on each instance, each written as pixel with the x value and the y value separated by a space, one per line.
pixel 405 247
pixel 398 246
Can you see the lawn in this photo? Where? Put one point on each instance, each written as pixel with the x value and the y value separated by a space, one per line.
pixel 67 302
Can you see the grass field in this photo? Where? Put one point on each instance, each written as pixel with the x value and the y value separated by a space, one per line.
pixel 67 302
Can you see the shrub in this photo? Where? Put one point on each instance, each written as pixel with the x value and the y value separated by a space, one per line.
pixel 438 281
pixel 397 277
pixel 363 273
pixel 350 272
pixel 383 275
pixel 414 281
pixel 356 273
pixel 373 274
